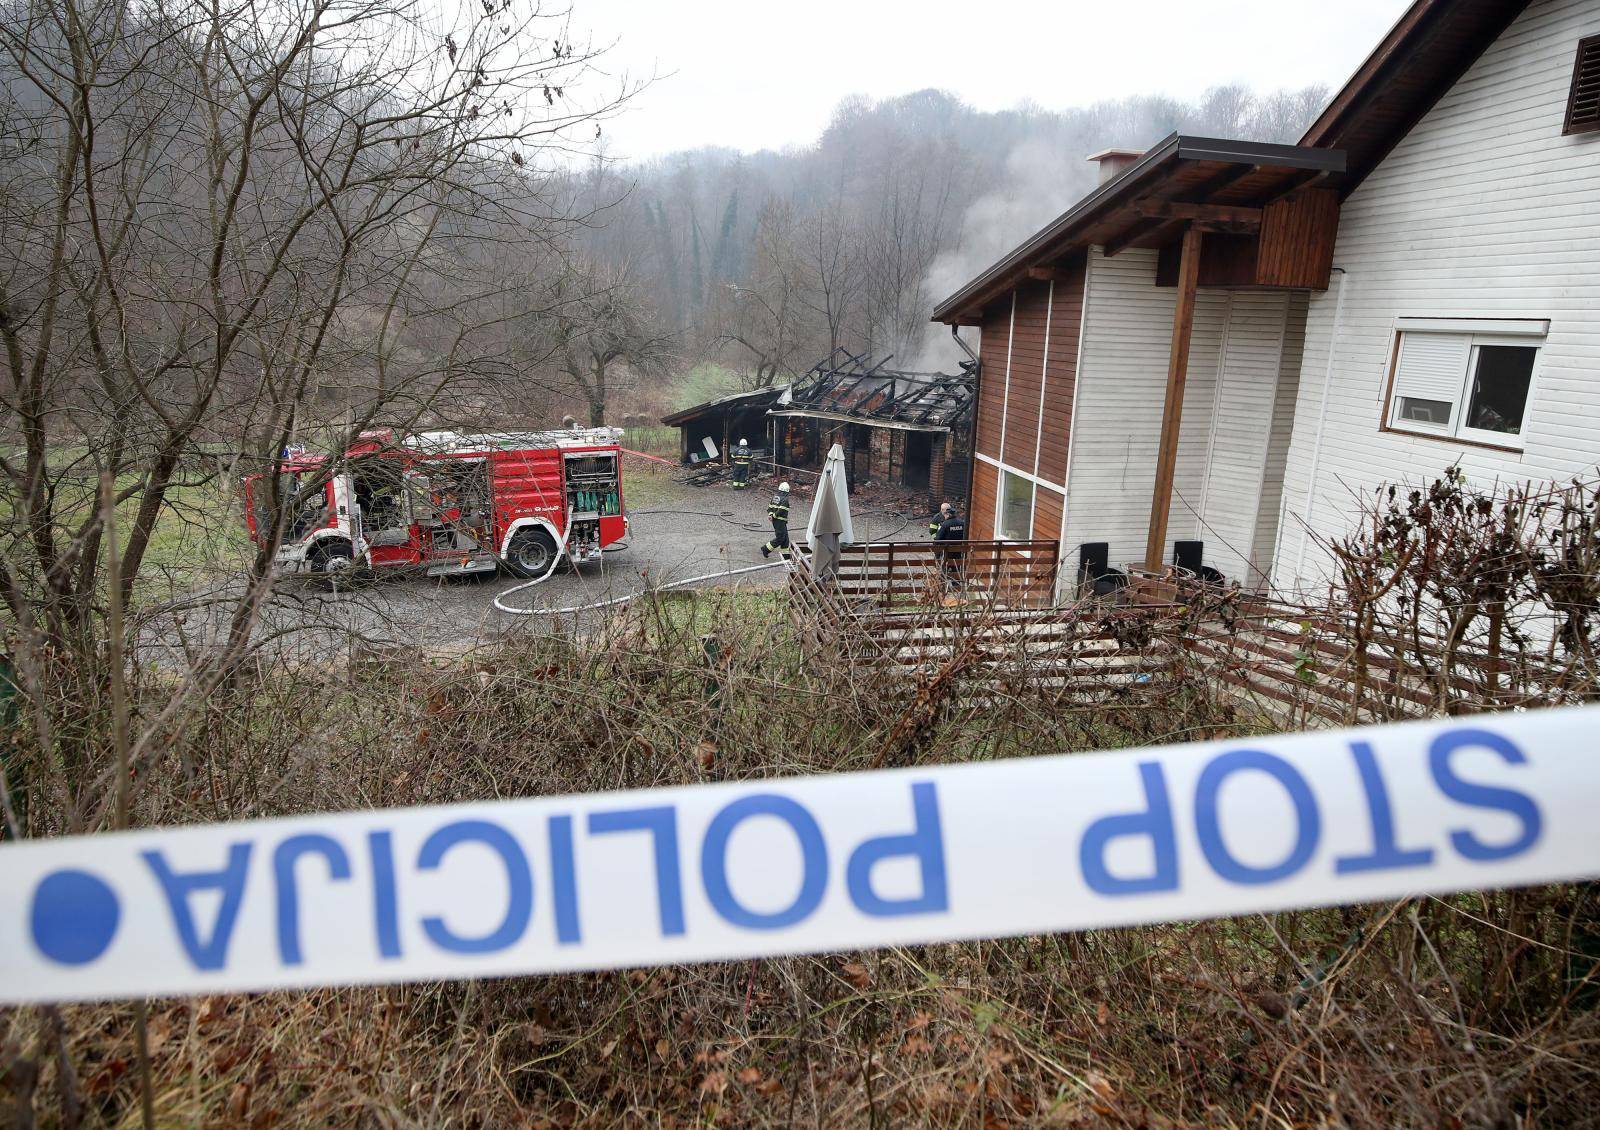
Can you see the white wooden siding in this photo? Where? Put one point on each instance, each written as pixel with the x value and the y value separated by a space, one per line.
pixel 1258 324
pixel 1122 381
pixel 1232 422
pixel 1483 210
pixel 1269 513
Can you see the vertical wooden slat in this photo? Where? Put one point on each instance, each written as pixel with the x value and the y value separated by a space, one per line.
pixel 1172 411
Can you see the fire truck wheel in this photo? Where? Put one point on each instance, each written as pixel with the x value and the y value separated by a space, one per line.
pixel 334 559
pixel 530 552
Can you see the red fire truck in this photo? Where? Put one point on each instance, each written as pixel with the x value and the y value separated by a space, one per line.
pixel 446 503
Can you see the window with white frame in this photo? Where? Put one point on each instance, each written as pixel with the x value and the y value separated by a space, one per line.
pixel 1014 517
pixel 1465 378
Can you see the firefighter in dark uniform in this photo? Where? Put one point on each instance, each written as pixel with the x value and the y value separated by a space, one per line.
pixel 949 526
pixel 741 465
pixel 778 511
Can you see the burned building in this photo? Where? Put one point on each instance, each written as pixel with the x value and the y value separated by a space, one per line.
pixel 900 428
pixel 707 431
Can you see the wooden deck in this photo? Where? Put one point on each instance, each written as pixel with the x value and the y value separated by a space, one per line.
pixel 895 610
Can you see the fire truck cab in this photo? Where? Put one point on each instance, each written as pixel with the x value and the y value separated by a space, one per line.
pixel 450 503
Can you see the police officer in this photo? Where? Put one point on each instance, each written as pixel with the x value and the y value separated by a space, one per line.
pixel 778 511
pixel 949 526
pixel 741 465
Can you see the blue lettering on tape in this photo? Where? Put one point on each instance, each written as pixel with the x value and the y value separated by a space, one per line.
pixel 385 901
pixel 924 843
pixel 283 861
pixel 563 881
pixel 74 916
pixel 1509 801
pixel 813 861
pixel 662 824
pixel 211 954
pixel 1155 822
pixel 519 883
pixel 1386 855
pixel 1308 822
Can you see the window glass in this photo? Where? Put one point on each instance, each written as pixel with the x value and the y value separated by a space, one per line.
pixel 1500 388
pixel 1471 386
pixel 1016 507
pixel 1413 410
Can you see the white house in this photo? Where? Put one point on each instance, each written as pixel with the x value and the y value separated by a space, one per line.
pixel 1226 342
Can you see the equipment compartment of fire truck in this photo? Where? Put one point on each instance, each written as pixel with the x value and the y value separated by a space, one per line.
pixel 449 503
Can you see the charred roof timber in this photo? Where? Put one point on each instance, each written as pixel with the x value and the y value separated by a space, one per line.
pixel 847 386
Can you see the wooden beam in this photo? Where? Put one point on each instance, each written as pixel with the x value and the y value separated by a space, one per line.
pixel 1172 411
pixel 1130 236
pixel 1227 177
pixel 1230 214
pixel 1051 273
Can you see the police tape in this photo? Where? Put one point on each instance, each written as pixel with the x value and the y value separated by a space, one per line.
pixel 838 862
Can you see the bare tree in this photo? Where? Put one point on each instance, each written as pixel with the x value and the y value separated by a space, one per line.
pixel 598 330
pixel 834 264
pixel 768 323
pixel 228 226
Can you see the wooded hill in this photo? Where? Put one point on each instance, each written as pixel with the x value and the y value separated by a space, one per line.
pixel 765 261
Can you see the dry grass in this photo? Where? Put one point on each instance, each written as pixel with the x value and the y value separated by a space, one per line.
pixel 1477 1010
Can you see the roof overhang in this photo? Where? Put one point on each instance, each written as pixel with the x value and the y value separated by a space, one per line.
pixel 1426 52
pixel 734 401
pixel 1181 182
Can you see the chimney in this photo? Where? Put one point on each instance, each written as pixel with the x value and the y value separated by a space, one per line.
pixel 1113 161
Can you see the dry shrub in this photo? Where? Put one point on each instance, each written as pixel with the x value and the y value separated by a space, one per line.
pixel 1470 1010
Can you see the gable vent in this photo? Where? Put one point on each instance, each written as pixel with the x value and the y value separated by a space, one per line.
pixel 1583 107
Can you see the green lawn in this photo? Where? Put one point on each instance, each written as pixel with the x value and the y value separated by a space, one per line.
pixel 199 534
pixel 704 382
pixel 650 485
pixel 658 440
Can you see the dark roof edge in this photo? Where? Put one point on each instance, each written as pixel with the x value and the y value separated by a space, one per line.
pixel 1158 153
pixel 1173 147
pixel 727 400
pixel 1395 52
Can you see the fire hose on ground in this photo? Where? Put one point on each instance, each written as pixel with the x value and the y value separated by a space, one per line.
pixel 555 559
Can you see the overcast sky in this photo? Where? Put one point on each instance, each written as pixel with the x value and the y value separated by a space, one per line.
pixel 754 74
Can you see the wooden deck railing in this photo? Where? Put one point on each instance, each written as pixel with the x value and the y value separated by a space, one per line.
pixel 890 612
pixel 1015 574
pixel 1326 666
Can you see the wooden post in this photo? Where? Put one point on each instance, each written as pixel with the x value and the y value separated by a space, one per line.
pixel 1172 412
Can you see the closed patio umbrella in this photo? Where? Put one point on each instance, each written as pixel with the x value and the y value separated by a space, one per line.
pixel 828 527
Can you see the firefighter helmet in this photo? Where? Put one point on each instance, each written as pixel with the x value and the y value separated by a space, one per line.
pixel 742 443
pixel 783 488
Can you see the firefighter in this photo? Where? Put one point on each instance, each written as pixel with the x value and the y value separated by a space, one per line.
pixel 943 514
pixel 741 465
pixel 778 511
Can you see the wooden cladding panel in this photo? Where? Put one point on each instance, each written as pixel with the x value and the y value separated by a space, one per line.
pixel 1061 374
pixel 992 344
pixel 1047 506
pixel 985 481
pixel 1026 373
pixel 1294 249
pixel 1297 235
